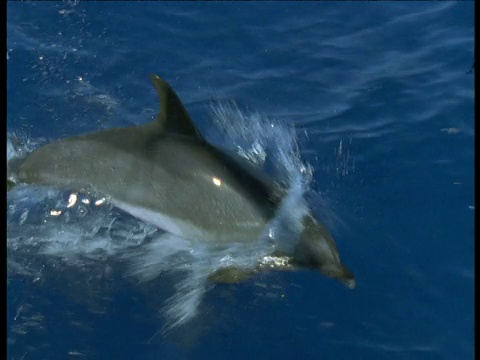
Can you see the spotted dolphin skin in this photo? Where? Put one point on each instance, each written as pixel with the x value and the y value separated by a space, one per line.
pixel 166 174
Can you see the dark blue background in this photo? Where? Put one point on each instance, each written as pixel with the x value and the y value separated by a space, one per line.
pixel 386 82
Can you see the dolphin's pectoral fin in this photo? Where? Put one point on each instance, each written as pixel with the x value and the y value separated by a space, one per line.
pixel 173 116
pixel 231 275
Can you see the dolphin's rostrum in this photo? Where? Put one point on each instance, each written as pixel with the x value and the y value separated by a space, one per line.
pixel 166 174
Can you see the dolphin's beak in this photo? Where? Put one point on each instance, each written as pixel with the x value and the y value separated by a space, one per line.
pixel 339 272
pixel 350 283
pixel 348 278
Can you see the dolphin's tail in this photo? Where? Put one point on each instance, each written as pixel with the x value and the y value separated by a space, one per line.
pixel 13 165
pixel 10 184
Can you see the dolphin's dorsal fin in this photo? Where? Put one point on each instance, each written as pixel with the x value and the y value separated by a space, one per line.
pixel 173 116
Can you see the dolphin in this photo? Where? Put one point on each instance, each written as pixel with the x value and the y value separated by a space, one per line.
pixel 165 173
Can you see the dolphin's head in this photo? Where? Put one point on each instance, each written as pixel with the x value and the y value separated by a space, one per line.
pixel 316 249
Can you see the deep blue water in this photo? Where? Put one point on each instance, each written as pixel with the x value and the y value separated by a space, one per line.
pixel 383 102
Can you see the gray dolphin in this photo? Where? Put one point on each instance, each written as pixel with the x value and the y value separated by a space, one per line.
pixel 166 174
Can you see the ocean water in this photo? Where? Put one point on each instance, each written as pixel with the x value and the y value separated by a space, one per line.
pixel 381 99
